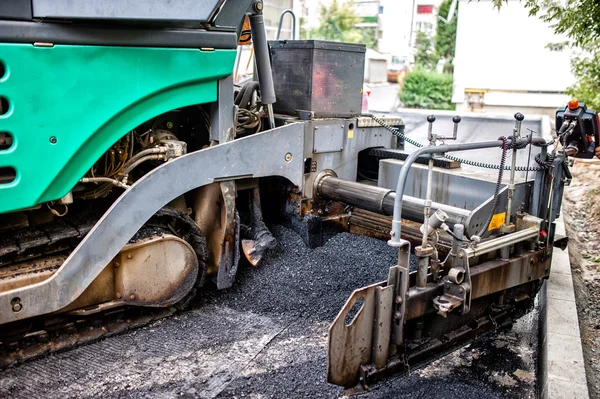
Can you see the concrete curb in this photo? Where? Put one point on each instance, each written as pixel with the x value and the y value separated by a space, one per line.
pixel 561 366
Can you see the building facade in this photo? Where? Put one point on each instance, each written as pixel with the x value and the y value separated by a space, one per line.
pixel 502 63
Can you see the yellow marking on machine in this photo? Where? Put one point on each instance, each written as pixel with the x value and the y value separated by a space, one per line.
pixel 497 220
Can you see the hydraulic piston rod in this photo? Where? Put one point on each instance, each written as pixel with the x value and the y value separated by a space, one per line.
pixel 381 200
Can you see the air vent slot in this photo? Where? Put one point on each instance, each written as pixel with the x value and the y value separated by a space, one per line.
pixel 6 141
pixel 4 105
pixel 8 174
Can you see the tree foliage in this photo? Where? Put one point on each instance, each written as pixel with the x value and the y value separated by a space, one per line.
pixel 579 21
pixel 338 23
pixel 425 56
pixel 426 89
pixel 445 36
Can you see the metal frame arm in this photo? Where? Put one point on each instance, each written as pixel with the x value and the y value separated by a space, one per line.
pixel 241 158
pixel 395 240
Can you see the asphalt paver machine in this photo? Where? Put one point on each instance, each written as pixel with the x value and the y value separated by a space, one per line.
pixel 134 172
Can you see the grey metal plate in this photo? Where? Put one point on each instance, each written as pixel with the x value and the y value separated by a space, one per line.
pixel 329 138
pixel 456 189
pixel 150 10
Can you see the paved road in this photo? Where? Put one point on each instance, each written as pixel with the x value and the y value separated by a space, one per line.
pixel 384 97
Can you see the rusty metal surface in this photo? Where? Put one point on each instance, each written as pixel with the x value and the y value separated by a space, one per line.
pixel 350 345
pixel 208 214
pixel 230 249
pixel 371 224
pixel 486 278
pixel 157 271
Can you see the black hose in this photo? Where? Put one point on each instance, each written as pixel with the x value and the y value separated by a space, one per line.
pixel 497 189
pixel 244 96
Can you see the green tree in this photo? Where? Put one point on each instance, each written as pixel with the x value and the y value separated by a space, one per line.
pixel 579 21
pixel 338 23
pixel 445 36
pixel 369 37
pixel 424 53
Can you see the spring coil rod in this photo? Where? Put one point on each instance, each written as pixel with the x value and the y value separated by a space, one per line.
pixel 485 226
pixel 543 165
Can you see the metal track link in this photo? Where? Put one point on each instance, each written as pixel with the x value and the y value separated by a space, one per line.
pixel 31 242
pixel 65 333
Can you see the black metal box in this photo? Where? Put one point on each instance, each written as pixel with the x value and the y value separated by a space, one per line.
pixel 319 76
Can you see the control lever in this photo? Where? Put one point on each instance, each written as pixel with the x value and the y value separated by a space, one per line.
pixel 430 136
pixel 456 121
pixel 433 137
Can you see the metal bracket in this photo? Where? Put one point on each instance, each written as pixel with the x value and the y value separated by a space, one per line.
pixel 365 340
pixel 457 288
pixel 237 159
pixel 398 277
pixel 230 250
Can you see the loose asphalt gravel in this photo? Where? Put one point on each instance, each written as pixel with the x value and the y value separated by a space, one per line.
pixel 266 338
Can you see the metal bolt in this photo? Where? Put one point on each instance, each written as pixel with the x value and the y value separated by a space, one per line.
pixel 117 264
pixel 119 295
pixel 17 307
pixel 53 140
pixel 129 256
pixel 399 299
pixel 398 315
pixel 132 297
pixel 288 157
pixel 169 125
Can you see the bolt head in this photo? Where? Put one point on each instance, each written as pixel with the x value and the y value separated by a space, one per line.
pixel 17 307
pixel 129 256
pixel 132 297
pixel 288 157
pixel 53 140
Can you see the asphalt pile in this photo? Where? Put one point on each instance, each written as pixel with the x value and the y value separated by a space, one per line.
pixel 295 281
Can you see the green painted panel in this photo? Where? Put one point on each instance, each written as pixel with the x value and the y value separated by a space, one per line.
pixel 87 97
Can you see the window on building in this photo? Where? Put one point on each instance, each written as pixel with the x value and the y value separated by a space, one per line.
pixel 425 9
